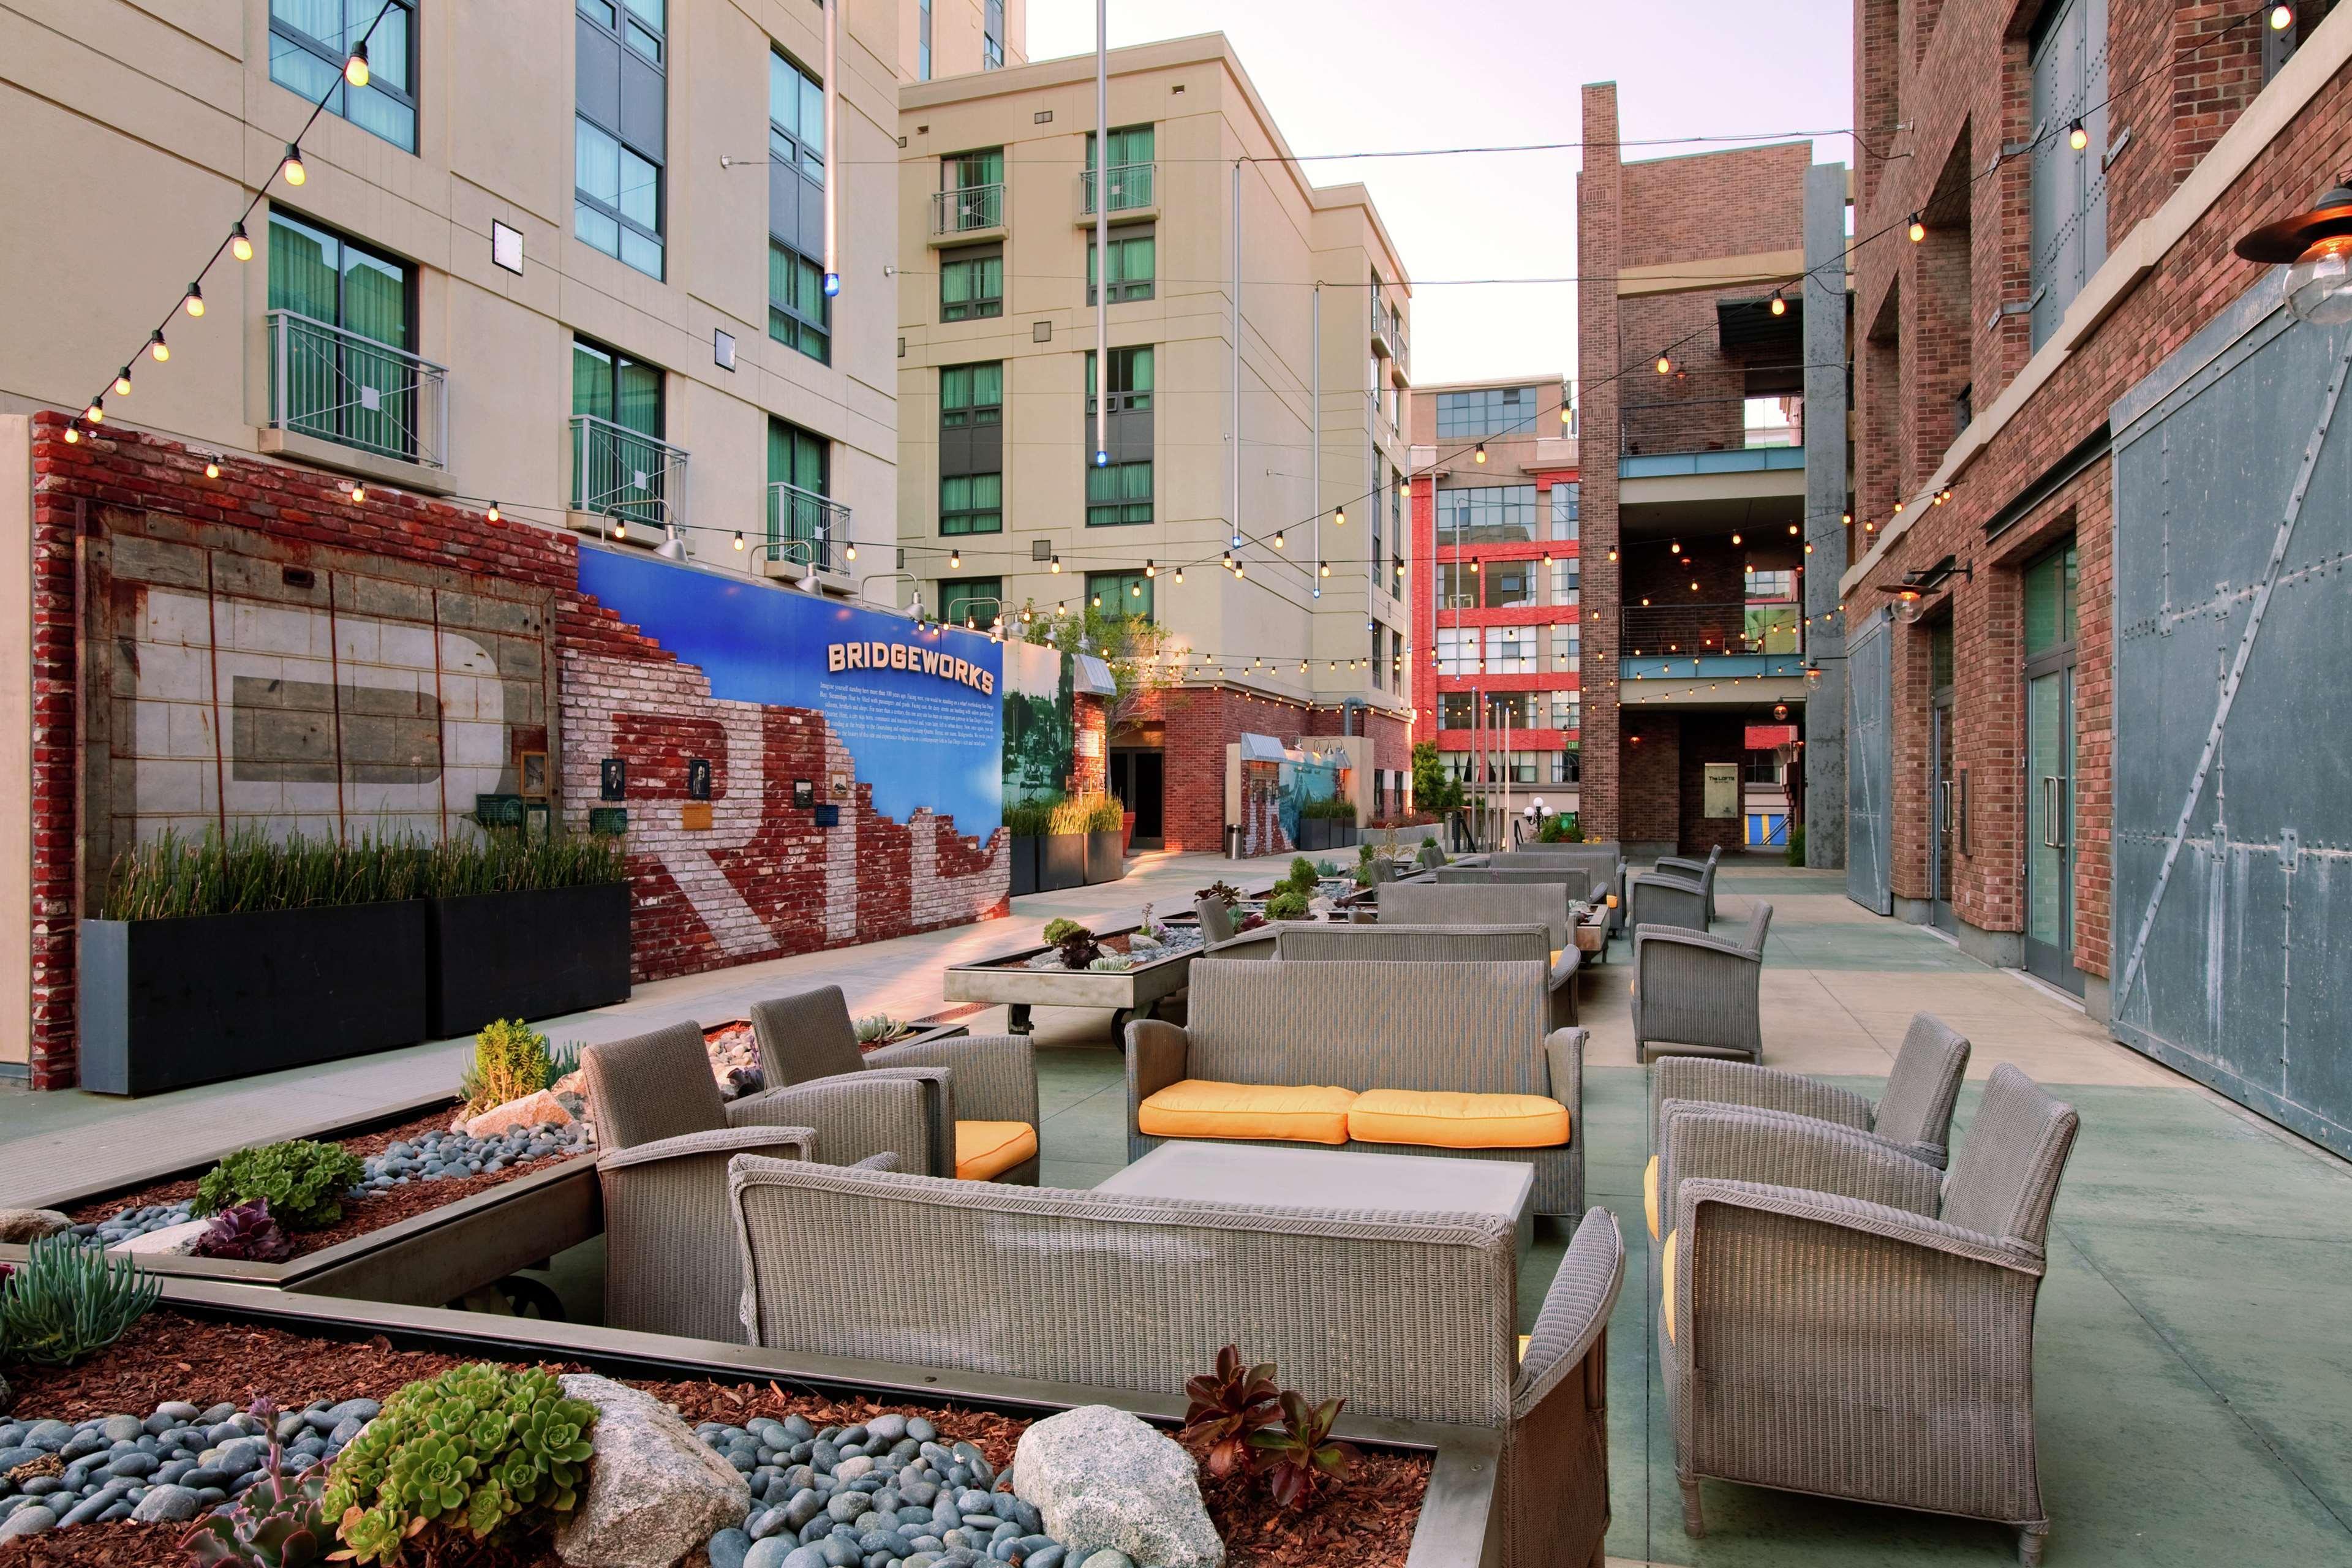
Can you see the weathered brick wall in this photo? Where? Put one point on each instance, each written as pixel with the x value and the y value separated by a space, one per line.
pixel 1600 354
pixel 1734 203
pixel 1090 748
pixel 1650 799
pixel 1718 738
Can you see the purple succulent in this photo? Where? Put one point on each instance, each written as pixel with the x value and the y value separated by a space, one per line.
pixel 248 1233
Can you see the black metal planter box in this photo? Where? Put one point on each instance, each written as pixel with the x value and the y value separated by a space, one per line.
pixel 1313 833
pixel 531 955
pixel 1106 860
pixel 1025 855
pixel 1062 862
pixel 172 1003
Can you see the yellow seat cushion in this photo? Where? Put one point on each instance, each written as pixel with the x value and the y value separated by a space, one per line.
pixel 1650 1195
pixel 1667 1274
pixel 1203 1108
pixel 1441 1119
pixel 1555 956
pixel 989 1149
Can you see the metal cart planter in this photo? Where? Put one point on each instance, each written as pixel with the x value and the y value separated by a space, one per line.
pixel 1125 992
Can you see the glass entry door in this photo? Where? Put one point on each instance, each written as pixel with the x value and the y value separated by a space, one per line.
pixel 1942 803
pixel 2049 645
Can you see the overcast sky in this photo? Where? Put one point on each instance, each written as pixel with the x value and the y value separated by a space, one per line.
pixel 1380 75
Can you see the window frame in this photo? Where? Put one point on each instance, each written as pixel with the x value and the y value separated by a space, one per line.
pixel 976 307
pixel 1148 503
pixel 1127 291
pixel 1478 411
pixel 968 514
pixel 1115 585
pixel 975 414
pixel 611 211
pixel 803 329
pixel 955 593
pixel 318 50
pixel 1508 501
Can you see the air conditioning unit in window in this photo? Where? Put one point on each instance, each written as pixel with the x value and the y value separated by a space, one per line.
pixel 1462 601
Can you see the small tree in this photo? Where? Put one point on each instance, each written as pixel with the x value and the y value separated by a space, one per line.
pixel 1135 647
pixel 1434 789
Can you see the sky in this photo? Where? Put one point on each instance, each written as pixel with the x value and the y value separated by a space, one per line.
pixel 1385 75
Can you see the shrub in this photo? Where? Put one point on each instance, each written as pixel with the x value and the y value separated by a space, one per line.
pixel 469 1449
pixel 1058 927
pixel 1302 873
pixel 510 1061
pixel 1107 815
pixel 1338 809
pixel 1288 903
pixel 1229 1406
pixel 66 1301
pixel 169 877
pixel 506 862
pixel 1031 820
pixel 1561 829
pixel 279 1522
pixel 245 1232
pixel 1079 948
pixel 1071 815
pixel 1301 1451
pixel 1797 844
pixel 881 1029
pixel 304 1182
pixel 1326 869
pixel 1225 890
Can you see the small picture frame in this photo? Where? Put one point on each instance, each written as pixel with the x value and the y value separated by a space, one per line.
pixel 697 778
pixel 538 821
pixel 803 794
pixel 532 766
pixel 840 790
pixel 613 779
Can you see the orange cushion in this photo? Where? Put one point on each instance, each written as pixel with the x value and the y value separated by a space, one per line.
pixel 1439 1119
pixel 987 1149
pixel 1650 1195
pixel 1667 1276
pixel 1203 1108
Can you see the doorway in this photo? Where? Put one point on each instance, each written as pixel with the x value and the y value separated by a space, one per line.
pixel 2051 633
pixel 1940 803
pixel 1136 776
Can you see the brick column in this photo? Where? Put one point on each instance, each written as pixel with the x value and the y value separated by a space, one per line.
pixel 1600 357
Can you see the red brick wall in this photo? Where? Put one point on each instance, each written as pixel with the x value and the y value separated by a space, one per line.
pixel 1735 203
pixel 1090 758
pixel 1707 738
pixel 1600 354
pixel 1650 797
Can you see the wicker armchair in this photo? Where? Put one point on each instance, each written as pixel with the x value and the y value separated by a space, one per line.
pixel 1652 899
pixel 1698 993
pixel 664 1137
pixel 1218 936
pixel 1440 944
pixel 1700 873
pixel 1601 863
pixel 1414 1312
pixel 1838 1319
pixel 981 1090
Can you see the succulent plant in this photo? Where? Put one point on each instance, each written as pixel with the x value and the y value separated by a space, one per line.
pixel 1299 1452
pixel 1079 948
pixel 67 1300
pixel 1224 890
pixel 511 1062
pixel 303 1181
pixel 1302 872
pixel 1058 927
pixel 1228 1404
pixel 881 1029
pixel 247 1232
pixel 279 1522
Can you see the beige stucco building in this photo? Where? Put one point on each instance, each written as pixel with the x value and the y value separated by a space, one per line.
pixel 948 37
pixel 996 338
pixel 563 254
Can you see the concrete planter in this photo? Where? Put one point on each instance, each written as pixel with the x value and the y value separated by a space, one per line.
pixel 1062 862
pixel 1313 834
pixel 1105 862
pixel 172 1003
pixel 531 955
pixel 1025 855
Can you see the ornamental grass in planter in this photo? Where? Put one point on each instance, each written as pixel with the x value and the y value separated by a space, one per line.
pixel 1106 841
pixel 1026 826
pixel 523 929
pixel 1063 850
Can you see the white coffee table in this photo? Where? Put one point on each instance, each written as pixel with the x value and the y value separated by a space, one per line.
pixel 1334 1178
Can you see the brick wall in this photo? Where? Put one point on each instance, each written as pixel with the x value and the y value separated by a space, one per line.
pixel 1600 354
pixel 1705 738
pixel 1650 793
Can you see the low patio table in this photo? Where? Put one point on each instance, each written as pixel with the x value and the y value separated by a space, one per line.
pixel 1334 1178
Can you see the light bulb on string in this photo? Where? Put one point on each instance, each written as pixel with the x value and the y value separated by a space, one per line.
pixel 96 412
pixel 123 382
pixel 1324 568
pixel 240 245
pixel 212 468
pixel 1734 539
pixel 73 433
pixel 739 539
pixel 1479 455
pixel 2282 19
pixel 1180 576
pixel 955 560
pixel 1779 306
pixel 1055 565
pixel 1665 364
pixel 359 494
pixel 2077 137
pixel 195 303
pixel 1917 230
pixel 619 526
pixel 1240 572
pixel 1228 562
pixel 1613 552
pixel 1277 539
pixel 355 69
pixel 1148 569
pixel 851 552
pixel 1338 516
pixel 292 165
pixel 493 515
pixel 156 346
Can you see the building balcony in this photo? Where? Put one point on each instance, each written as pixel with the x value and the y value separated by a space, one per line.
pixel 1695 435
pixel 621 476
pixel 1383 337
pixel 1740 629
pixel 349 402
pixel 1134 193
pixel 805 531
pixel 968 215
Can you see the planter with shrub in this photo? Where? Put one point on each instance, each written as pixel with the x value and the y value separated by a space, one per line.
pixel 1106 841
pixel 524 930
pixel 1061 853
pixel 1026 826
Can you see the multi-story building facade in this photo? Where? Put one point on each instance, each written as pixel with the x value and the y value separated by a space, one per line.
pixel 1693 489
pixel 950 37
pixel 2085 634
pixel 1284 596
pixel 1498 616
pixel 529 263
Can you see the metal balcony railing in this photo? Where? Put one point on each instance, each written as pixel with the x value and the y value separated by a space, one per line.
pixel 1651 631
pixel 337 386
pixel 618 472
pixel 1708 425
pixel 969 209
pixel 1132 188
pixel 803 526
pixel 1382 326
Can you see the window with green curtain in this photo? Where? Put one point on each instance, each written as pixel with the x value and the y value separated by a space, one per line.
pixel 311 40
pixel 796 117
pixel 980 598
pixel 1130 168
pixel 802 459
pixel 1119 495
pixel 1120 593
pixel 332 376
pixel 798 312
pixel 1132 261
pixel 971 395
pixel 609 385
pixel 972 503
pixel 1131 379
pixel 968 170
pixel 971 287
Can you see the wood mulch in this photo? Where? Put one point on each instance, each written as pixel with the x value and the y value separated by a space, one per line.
pixel 361 1216
pixel 1366 1522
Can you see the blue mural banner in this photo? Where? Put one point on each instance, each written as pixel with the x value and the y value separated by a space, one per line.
pixel 919 710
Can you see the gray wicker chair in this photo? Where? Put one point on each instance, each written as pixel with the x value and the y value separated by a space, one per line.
pixel 1442 903
pixel 1393 942
pixel 1602 863
pixel 1652 899
pixel 1576 880
pixel 1429 853
pixel 662 1138
pixel 1477 1028
pixel 1698 993
pixel 981 1085
pixel 1218 936
pixel 1842 1319
pixel 1413 1313
pixel 1699 873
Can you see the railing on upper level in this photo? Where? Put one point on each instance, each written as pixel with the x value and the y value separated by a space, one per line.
pixel 968 209
pixel 333 383
pixel 803 526
pixel 620 472
pixel 1133 186
pixel 1383 324
pixel 1684 425
pixel 1684 631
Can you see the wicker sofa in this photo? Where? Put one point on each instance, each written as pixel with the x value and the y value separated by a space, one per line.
pixel 1413 1316
pixel 1461 1063
pixel 1697 993
pixel 1840 1318
pixel 1575 879
pixel 1396 942
pixel 1218 935
pixel 985 1111
pixel 1603 864
pixel 1465 903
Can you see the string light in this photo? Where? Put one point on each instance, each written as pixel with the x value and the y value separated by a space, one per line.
pixel 359 494
pixel 1240 572
pixel 355 69
pixel 1277 539
pixel 2076 137
pixel 96 412
pixel 1917 230
pixel 158 347
pixel 1338 516
pixel 212 468
pixel 1793 529
pixel 1148 569
pixel 1325 568
pixel 1097 601
pixel 73 433
pixel 239 245
pixel 292 165
pixel 2282 19
pixel 1779 306
pixel 1056 565
pixel 955 560
pixel 1613 552
pixel 1228 562
pixel 1180 576
pixel 123 382
pixel 738 535
pixel 1480 456
pixel 493 515
pixel 1665 363
pixel 194 304
pixel 619 526
pixel 851 552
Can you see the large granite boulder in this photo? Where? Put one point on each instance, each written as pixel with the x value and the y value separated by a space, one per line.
pixel 1104 1480
pixel 656 1492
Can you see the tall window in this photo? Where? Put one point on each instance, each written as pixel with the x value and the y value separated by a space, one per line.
pixel 972 283
pixel 311 40
pixel 619 466
pixel 1120 593
pixel 609 384
pixel 1510 650
pixel 1373 511
pixel 992 35
pixel 1130 380
pixel 979 600
pixel 800 460
pixel 1567 582
pixel 923 40
pixel 1487 514
pixel 1380 676
pixel 1457 585
pixel 1130 184
pixel 1396 529
pixel 1488 411
pixel 2068 198
pixel 977 181
pixel 1566 504
pixel 1121 494
pixel 1509 583
pixel 621 129
pixel 798 312
pixel 1132 263
pixel 1458 651
pixel 971 395
pixel 1568 710
pixel 972 503
pixel 1568 647
pixel 348 296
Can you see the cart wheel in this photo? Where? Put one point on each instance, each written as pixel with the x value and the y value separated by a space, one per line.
pixel 1016 1019
pixel 531 1299
pixel 1118 1018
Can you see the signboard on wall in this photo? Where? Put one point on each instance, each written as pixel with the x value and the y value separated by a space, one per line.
pixel 918 708
pixel 1722 798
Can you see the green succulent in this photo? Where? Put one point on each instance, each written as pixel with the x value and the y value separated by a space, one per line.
pixel 303 1182
pixel 67 1300
pixel 372 1534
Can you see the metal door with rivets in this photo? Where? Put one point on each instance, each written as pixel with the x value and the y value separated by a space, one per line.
pixel 1870 764
pixel 2233 831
